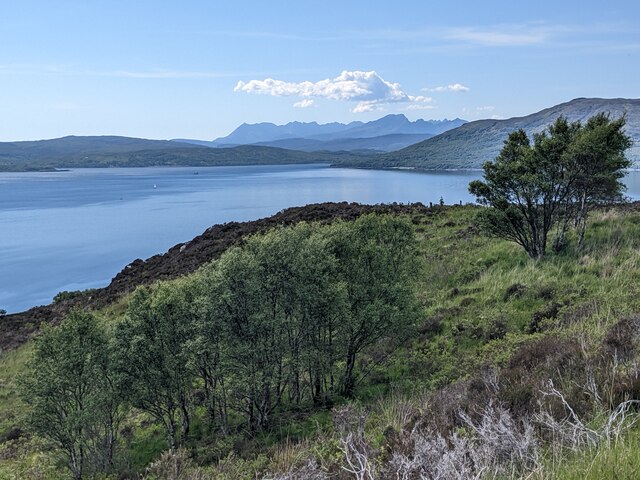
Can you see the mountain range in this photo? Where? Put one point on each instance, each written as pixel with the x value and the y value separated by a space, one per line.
pixel 386 134
pixel 389 142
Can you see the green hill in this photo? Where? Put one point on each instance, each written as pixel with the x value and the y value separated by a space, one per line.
pixel 91 152
pixel 509 342
pixel 471 144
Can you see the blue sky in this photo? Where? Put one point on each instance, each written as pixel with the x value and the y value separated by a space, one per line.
pixel 198 69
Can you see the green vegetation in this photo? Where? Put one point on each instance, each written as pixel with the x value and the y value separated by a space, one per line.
pixel 569 169
pixel 488 316
pixel 96 152
pixel 11 406
pixel 275 326
pixel 70 389
pixel 471 144
pixel 70 295
pixel 279 322
pixel 619 460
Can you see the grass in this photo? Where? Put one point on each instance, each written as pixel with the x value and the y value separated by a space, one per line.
pixel 619 461
pixel 482 299
pixel 146 443
pixel 468 278
pixel 12 365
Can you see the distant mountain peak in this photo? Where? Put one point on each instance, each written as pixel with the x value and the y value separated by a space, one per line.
pixel 391 124
pixel 394 115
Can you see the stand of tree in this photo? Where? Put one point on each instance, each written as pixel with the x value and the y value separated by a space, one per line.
pixel 281 321
pixel 555 182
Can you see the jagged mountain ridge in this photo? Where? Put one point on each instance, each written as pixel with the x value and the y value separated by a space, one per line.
pixel 290 134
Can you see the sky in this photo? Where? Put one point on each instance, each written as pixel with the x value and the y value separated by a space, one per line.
pixel 198 69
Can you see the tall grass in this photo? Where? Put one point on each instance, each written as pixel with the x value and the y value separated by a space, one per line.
pixel 480 300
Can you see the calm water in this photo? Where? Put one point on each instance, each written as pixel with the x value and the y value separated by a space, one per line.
pixel 75 230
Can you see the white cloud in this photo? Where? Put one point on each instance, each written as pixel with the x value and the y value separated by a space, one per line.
pixel 482 111
pixel 453 87
pixel 306 103
pixel 159 74
pixel 420 107
pixel 369 89
pixel 502 35
pixel 420 99
pixel 363 107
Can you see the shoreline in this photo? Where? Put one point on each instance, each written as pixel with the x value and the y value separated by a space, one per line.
pixel 184 258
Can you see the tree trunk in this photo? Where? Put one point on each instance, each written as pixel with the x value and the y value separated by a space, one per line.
pixel 263 407
pixel 185 423
pixel 75 465
pixel 209 392
pixel 171 433
pixel 348 383
pixel 110 444
pixel 560 241
pixel 317 387
pixel 582 219
pixel 222 407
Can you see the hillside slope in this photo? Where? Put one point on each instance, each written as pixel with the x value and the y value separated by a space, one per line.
pixel 473 143
pixel 95 152
pixel 382 143
pixel 182 259
pixel 81 145
pixel 496 331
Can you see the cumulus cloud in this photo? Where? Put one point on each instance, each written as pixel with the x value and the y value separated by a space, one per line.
pixel 368 89
pixel 306 103
pixel 454 87
pixel 364 107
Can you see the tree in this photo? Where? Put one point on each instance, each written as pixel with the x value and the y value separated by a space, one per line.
pixel 524 189
pixel 69 387
pixel 377 263
pixel 268 323
pixel 273 301
pixel 529 188
pixel 598 156
pixel 210 346
pixel 153 356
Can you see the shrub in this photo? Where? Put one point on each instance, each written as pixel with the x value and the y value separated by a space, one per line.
pixel 70 295
pixel 514 291
pixel 622 339
pixel 174 465
pixel 548 312
pixel 532 365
